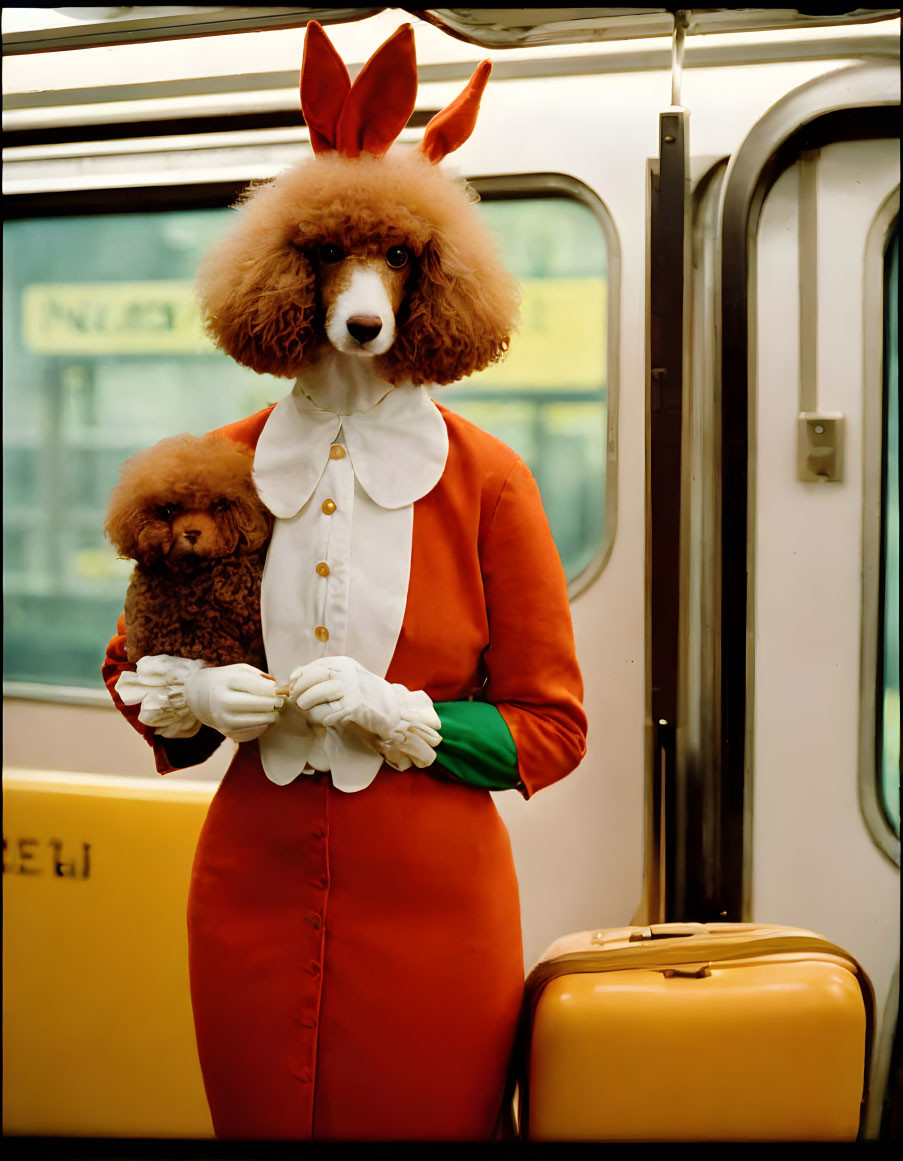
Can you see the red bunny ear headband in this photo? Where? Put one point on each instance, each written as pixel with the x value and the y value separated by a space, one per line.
pixel 367 116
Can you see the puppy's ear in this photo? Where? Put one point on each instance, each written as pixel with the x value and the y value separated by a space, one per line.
pixel 120 527
pixel 135 533
pixel 126 515
pixel 260 307
pixel 252 521
pixel 459 318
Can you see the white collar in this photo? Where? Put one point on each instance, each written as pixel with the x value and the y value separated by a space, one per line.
pixel 396 438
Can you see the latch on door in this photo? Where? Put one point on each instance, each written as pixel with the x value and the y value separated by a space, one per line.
pixel 820 446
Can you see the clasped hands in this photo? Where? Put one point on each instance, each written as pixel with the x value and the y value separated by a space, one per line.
pixel 335 693
pixel 338 693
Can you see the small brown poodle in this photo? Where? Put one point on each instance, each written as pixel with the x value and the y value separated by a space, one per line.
pixel 188 512
pixel 275 292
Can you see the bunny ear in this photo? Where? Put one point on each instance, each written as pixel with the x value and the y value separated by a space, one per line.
pixel 382 98
pixel 324 87
pixel 449 129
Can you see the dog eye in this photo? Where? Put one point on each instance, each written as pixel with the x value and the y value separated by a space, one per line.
pixel 397 256
pixel 220 505
pixel 329 253
pixel 167 511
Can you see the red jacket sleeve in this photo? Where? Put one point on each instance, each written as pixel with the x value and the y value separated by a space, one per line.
pixel 531 662
pixel 169 753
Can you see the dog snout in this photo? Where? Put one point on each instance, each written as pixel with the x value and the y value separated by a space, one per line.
pixel 364 327
pixel 360 310
pixel 190 534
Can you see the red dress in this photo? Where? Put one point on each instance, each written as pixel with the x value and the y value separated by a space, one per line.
pixel 356 960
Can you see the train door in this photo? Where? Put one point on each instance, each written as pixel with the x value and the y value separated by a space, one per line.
pixel 805 826
pixel 776 797
pixel 824 734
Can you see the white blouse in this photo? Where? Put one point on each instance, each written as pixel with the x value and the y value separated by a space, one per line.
pixel 340 464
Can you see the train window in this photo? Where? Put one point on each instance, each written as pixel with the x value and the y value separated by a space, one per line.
pixel 549 398
pixel 103 355
pixel 888 751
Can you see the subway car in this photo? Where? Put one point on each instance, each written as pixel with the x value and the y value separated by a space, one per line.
pixel 702 210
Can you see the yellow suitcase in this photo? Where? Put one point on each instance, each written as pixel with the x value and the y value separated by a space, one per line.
pixel 695 1032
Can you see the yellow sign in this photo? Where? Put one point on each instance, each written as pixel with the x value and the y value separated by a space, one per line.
pixel 562 341
pixel 113 318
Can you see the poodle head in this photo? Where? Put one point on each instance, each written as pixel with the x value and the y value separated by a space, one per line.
pixel 368 249
pixel 187 500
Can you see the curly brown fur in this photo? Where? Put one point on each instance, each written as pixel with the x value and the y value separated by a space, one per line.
pixel 258 287
pixel 188 512
pixel 210 613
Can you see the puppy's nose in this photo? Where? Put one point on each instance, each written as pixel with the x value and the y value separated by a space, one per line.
pixel 364 327
pixel 191 534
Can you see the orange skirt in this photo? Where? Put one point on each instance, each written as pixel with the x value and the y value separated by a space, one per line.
pixel 356 960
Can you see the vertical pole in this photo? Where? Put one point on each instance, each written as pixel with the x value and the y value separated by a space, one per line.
pixel 681 19
pixel 669 239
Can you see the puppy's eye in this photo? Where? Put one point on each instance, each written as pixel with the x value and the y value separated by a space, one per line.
pixel 167 511
pixel 220 505
pixel 329 253
pixel 397 256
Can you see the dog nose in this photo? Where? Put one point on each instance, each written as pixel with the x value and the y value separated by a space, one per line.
pixel 364 327
pixel 191 534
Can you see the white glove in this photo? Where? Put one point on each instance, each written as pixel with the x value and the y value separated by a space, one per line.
pixel 338 693
pixel 156 685
pixel 157 710
pixel 417 746
pixel 238 700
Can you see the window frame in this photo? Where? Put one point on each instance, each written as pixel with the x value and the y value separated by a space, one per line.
pixel 221 194
pixel 871 799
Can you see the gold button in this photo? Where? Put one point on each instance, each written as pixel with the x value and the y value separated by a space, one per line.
pixel 336 452
pixel 322 568
pixel 329 507
pixel 321 633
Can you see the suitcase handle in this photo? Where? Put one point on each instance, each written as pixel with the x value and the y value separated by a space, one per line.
pixel 667 931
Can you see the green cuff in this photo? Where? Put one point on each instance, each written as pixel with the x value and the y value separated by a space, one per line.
pixel 476 747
